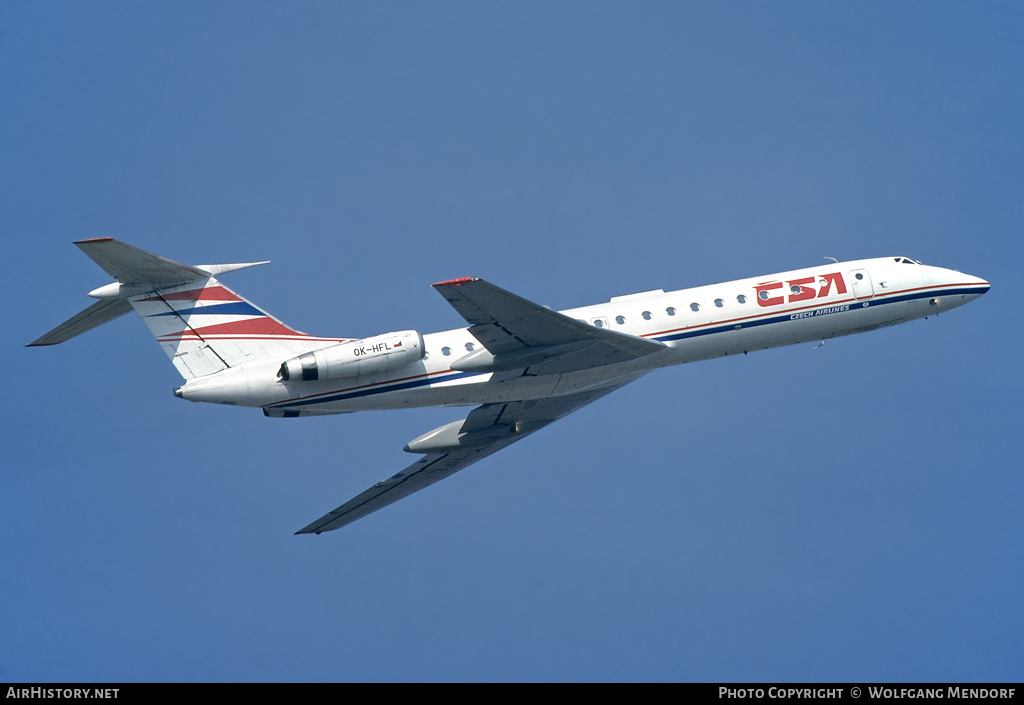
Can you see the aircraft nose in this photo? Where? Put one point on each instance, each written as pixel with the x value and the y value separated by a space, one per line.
pixel 979 285
pixel 970 287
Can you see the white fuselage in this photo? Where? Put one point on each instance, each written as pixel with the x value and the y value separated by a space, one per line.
pixel 694 324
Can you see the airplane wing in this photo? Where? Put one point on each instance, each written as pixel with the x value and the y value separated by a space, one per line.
pixel 486 430
pixel 518 333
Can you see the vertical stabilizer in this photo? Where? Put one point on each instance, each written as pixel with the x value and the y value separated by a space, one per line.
pixel 205 327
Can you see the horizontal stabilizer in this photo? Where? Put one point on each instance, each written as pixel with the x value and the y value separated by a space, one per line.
pixel 203 326
pixel 132 265
pixel 96 315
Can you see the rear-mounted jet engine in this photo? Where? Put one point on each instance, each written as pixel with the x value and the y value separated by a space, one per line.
pixel 356 357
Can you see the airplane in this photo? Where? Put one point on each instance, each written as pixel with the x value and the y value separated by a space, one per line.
pixel 523 365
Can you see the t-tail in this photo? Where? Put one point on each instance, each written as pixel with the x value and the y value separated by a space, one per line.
pixel 203 326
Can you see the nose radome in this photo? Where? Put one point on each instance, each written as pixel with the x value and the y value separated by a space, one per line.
pixel 967 283
pixel 980 283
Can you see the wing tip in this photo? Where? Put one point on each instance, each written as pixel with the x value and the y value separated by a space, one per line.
pixel 456 282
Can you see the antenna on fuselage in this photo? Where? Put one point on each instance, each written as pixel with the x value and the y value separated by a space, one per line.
pixel 833 259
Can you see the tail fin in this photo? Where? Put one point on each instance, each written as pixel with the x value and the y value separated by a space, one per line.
pixel 203 326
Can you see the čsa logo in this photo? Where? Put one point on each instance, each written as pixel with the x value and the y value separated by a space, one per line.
pixel 800 289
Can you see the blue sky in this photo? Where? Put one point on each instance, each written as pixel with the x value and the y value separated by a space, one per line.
pixel 849 513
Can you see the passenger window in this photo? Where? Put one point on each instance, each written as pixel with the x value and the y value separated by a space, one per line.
pixel 469 346
pixel 670 310
pixel 646 315
pixel 719 303
pixel 742 299
pixel 446 350
pixel 598 323
pixel 763 295
pixel 621 320
pixel 695 307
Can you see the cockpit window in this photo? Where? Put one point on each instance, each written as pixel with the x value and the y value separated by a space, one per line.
pixel 905 260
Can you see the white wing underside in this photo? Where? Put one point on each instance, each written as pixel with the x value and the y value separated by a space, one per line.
pixel 434 467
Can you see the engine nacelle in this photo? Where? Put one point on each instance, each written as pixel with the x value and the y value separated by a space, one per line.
pixel 356 357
